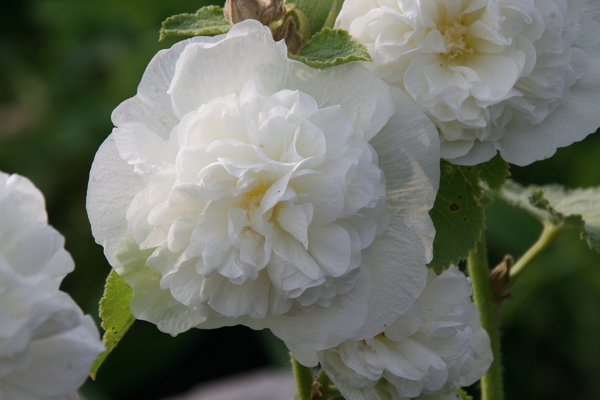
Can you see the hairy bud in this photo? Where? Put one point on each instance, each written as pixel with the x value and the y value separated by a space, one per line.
pixel 265 11
pixel 289 32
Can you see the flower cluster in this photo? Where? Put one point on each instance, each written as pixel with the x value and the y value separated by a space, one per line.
pixel 47 345
pixel 437 345
pixel 242 187
pixel 518 77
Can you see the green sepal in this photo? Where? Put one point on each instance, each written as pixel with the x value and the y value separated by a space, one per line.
pixel 458 212
pixel 115 315
pixel 331 47
pixel 207 21
pixel 462 395
pixel 320 13
pixel 559 206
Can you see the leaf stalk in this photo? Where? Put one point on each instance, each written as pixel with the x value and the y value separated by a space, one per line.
pixel 549 233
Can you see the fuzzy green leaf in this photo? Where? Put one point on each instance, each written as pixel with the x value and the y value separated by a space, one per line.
pixel 458 212
pixel 207 21
pixel 331 47
pixel 319 12
pixel 115 315
pixel 560 206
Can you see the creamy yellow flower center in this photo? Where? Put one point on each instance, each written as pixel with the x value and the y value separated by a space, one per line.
pixel 252 198
pixel 455 40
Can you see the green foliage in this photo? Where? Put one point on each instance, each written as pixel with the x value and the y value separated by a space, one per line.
pixel 331 47
pixel 207 21
pixel 458 212
pixel 115 314
pixel 560 206
pixel 320 13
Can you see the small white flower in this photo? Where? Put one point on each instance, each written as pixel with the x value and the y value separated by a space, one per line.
pixel 47 345
pixel 437 345
pixel 516 76
pixel 241 187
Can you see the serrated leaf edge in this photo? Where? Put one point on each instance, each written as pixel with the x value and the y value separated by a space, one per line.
pixel 339 60
pixel 209 31
pixel 107 340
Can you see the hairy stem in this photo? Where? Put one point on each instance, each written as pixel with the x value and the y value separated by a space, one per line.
pixel 303 377
pixel 546 237
pixel 477 264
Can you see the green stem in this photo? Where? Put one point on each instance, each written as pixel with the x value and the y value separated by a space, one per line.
pixel 477 264
pixel 546 237
pixel 303 377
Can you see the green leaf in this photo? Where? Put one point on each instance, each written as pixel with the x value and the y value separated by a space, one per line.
pixel 560 206
pixel 207 21
pixel 319 12
pixel 115 315
pixel 458 212
pixel 494 172
pixel 331 47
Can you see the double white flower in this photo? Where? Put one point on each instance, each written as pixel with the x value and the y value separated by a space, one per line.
pixel 437 345
pixel 242 187
pixel 516 76
pixel 47 345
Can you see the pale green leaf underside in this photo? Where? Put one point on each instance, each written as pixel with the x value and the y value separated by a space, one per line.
pixel 558 205
pixel 207 21
pixel 331 47
pixel 458 212
pixel 115 315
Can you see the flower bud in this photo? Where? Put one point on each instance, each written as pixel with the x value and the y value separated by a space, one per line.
pixel 239 10
pixel 289 32
pixel 272 11
pixel 265 11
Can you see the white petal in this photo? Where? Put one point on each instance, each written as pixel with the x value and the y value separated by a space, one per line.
pixel 59 364
pixel 111 188
pixel 291 267
pixel 149 301
pixel 321 328
pixel 295 220
pixel 407 149
pixel 479 153
pixel 27 242
pixel 331 246
pixel 151 106
pixel 366 100
pixel 576 117
pixel 237 58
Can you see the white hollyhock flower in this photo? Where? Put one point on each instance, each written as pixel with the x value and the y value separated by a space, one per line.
pixel 241 187
pixel 47 345
pixel 437 345
pixel 516 76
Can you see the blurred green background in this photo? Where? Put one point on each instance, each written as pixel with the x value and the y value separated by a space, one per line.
pixel 66 64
